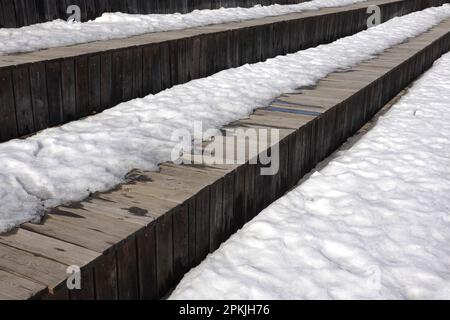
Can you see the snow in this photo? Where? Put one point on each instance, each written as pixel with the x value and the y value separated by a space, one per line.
pixel 67 163
pixel 120 25
pixel 374 223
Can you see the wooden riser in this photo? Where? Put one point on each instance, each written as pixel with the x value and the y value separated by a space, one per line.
pixel 19 13
pixel 138 240
pixel 51 87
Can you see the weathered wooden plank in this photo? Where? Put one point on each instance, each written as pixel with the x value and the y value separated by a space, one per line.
pixel 8 129
pixel 128 75
pixel 32 267
pixel 2 21
pixel 137 73
pixel 178 56
pixel 94 84
pixel 127 270
pixel 105 271
pixel 138 204
pixel 117 76
pixel 91 10
pixel 216 236
pixel 54 92
pixel 50 10
pixel 239 199
pixel 17 288
pixel 82 85
pixel 92 218
pixel 103 5
pixel 172 52
pixel 164 254
pixel 57 250
pixel 192 230
pixel 106 81
pixel 181 242
pixel 9 15
pixel 151 75
pixel 250 192
pixel 203 174
pixel 32 12
pixel 133 6
pixel 183 63
pixel 68 88
pixel 165 66
pixel 22 95
pixel 90 238
pixel 20 13
pixel 202 232
pixel 146 250
pixel 170 232
pixel 228 205
pixel 82 5
pixel 109 209
pixel 39 9
pixel 166 185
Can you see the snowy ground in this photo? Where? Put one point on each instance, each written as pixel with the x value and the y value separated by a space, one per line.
pixel 119 25
pixel 374 223
pixel 67 163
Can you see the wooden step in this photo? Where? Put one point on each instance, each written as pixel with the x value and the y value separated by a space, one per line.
pixel 138 240
pixel 19 13
pixel 51 87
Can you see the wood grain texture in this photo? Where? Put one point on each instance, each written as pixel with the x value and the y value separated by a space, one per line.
pixel 19 13
pixel 69 83
pixel 137 240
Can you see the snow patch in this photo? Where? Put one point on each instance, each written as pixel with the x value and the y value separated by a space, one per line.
pixel 67 163
pixel 372 224
pixel 118 25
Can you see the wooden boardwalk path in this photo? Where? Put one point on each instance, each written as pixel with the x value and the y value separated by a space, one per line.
pixel 138 240
pixel 51 87
pixel 19 13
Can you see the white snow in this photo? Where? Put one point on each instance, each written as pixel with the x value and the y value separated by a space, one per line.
pixel 66 163
pixel 374 223
pixel 120 25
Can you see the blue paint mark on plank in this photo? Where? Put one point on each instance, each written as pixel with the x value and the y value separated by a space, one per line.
pixel 278 101
pixel 302 112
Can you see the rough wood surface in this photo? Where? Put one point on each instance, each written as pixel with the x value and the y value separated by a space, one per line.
pixel 138 240
pixel 51 87
pixel 19 13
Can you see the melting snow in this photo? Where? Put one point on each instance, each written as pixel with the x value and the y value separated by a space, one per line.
pixel 374 223
pixel 120 25
pixel 66 163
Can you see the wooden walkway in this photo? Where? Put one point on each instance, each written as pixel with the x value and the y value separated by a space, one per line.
pixel 137 241
pixel 19 13
pixel 51 87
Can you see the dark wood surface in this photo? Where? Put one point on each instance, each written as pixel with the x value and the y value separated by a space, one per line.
pixel 139 239
pixel 19 13
pixel 51 87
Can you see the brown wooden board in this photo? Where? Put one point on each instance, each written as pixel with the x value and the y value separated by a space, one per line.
pixel 68 88
pixel 19 13
pixel 105 273
pixel 35 268
pixel 138 240
pixel 22 93
pixel 127 270
pixel 39 96
pixel 146 249
pixel 99 75
pixel 13 287
pixel 54 92
pixel 8 127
